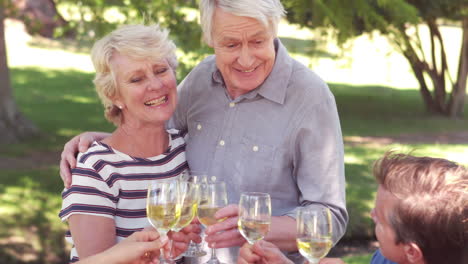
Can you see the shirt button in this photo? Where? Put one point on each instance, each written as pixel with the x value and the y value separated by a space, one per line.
pixel 232 104
pixel 199 127
pixel 255 148
pixel 221 142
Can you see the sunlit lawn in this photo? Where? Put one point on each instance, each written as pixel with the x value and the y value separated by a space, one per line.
pixel 53 88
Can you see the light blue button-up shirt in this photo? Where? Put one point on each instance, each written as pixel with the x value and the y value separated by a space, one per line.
pixel 283 138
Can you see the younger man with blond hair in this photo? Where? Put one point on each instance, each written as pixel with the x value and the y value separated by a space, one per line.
pixel 420 214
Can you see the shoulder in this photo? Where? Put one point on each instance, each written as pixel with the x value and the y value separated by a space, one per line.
pixel 308 83
pixel 97 151
pixel 202 71
pixel 378 258
pixel 307 92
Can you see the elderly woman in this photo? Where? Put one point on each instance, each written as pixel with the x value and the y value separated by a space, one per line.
pixel 135 79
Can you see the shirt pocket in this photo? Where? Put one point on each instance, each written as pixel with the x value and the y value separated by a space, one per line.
pixel 257 162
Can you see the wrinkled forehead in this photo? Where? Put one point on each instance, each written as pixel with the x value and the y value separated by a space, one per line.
pixel 228 22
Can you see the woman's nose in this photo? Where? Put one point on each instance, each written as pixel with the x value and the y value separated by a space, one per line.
pixel 155 83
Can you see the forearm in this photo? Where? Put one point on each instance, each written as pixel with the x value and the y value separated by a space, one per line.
pixel 283 233
pixel 98 258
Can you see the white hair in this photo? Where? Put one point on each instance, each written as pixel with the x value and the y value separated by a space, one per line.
pixel 269 12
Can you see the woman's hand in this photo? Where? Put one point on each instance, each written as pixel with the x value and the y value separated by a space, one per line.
pixel 139 248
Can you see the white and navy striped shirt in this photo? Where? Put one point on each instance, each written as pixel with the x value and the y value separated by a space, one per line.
pixel 112 184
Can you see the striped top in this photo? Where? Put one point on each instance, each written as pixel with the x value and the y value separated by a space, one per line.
pixel 112 184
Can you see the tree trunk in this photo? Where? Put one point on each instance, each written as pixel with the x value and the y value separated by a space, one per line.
pixel 418 68
pixel 457 99
pixel 13 125
pixel 437 76
pixel 39 16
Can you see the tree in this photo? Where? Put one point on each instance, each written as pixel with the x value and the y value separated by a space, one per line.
pixel 13 125
pixel 397 19
pixel 41 17
pixel 171 14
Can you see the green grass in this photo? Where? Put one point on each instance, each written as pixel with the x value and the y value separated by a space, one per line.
pixel 364 259
pixel 62 103
pixel 385 111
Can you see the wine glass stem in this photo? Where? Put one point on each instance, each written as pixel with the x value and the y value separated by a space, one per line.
pixel 161 258
pixel 170 249
pixel 213 253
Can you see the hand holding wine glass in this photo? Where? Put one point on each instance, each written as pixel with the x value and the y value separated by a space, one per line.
pixel 254 215
pixel 314 233
pixel 163 207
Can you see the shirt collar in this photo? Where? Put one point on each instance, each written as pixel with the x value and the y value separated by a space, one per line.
pixel 275 85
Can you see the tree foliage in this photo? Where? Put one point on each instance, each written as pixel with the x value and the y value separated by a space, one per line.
pixel 98 17
pixel 398 20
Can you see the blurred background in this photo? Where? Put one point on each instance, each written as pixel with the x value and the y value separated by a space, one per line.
pixel 398 70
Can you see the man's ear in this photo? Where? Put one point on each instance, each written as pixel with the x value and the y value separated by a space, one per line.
pixel 413 253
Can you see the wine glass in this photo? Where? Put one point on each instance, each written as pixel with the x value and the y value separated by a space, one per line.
pixel 314 232
pixel 254 215
pixel 189 202
pixel 195 177
pixel 213 197
pixel 163 207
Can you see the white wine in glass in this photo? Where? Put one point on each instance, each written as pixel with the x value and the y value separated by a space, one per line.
pixel 314 233
pixel 163 207
pixel 194 177
pixel 213 196
pixel 254 215
pixel 189 197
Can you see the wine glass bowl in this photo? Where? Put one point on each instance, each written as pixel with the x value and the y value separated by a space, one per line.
pixel 254 215
pixel 189 202
pixel 195 178
pixel 314 233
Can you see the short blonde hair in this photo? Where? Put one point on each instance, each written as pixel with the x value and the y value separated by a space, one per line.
pixel 432 207
pixel 269 12
pixel 135 41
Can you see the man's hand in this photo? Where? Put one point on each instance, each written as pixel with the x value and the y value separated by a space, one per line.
pixel 262 252
pixel 225 234
pixel 181 239
pixel 79 143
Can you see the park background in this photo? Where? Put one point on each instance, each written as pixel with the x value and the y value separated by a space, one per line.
pixel 377 95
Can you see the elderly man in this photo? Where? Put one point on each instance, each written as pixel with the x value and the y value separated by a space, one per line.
pixel 260 121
